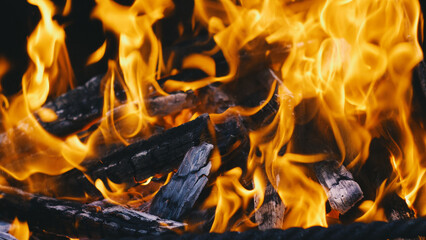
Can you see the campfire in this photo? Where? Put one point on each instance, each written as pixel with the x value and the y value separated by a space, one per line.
pixel 230 119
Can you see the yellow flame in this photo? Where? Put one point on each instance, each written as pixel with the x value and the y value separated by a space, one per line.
pixel 49 66
pixel 97 55
pixel 20 230
pixel 139 57
pixel 67 8
pixel 355 57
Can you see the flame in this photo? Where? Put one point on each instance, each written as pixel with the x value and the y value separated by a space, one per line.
pixel 97 55
pixel 355 58
pixel 20 230
pixel 139 58
pixel 50 66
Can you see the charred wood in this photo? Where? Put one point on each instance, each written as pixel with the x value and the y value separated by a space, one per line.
pixel 177 198
pixel 81 106
pixel 271 213
pixel 73 219
pixel 75 109
pixel 131 164
pixel 342 190
pixel 396 208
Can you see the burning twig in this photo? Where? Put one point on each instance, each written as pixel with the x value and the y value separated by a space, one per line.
pixel 342 190
pixel 73 219
pixel 176 198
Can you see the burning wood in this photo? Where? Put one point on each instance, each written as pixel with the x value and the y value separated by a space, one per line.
pixel 176 198
pixel 271 213
pixel 95 220
pixel 159 154
pixel 342 190
pixel 286 85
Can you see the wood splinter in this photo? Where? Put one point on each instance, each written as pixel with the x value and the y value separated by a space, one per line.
pixel 342 190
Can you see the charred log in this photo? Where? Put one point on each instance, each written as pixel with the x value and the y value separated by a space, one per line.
pixel 131 164
pixel 75 108
pixel 74 219
pixel 175 199
pixel 342 190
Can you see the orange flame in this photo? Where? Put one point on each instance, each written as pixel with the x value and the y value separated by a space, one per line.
pixel 20 230
pixel 356 58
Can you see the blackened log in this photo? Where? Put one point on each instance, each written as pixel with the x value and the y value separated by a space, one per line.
pixel 131 164
pixel 82 105
pixel 177 198
pixel 342 190
pixel 271 213
pixel 75 219
pixel 75 109
pixel 396 208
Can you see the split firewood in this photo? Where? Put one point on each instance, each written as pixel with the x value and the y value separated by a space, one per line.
pixel 342 190
pixel 131 164
pixel 73 219
pixel 271 213
pixel 175 199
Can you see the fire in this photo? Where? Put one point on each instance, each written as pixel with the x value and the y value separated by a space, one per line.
pixel 139 71
pixel 355 58
pixel 342 67
pixel 20 230
pixel 50 66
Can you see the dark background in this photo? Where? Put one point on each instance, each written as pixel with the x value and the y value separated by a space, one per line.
pixel 83 36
